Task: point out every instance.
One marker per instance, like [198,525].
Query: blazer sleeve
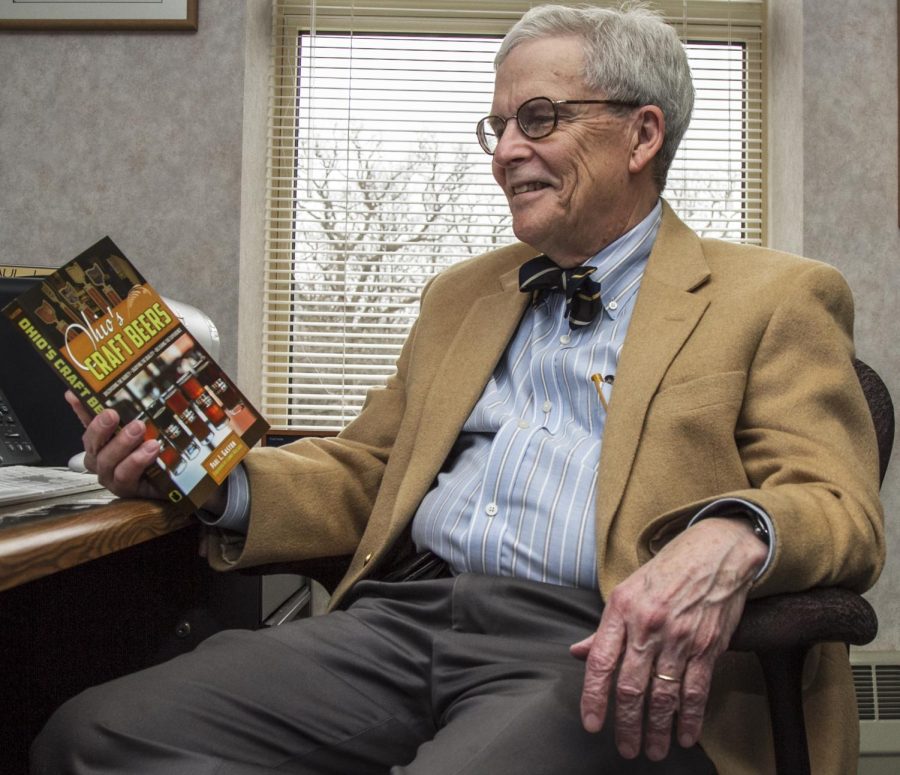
[807,444]
[311,499]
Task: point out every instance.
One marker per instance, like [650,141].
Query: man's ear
[647,139]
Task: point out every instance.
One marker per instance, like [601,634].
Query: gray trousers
[460,675]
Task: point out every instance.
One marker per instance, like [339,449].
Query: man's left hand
[661,632]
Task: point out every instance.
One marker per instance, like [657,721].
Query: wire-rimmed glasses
[537,118]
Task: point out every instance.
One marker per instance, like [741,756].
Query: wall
[134,135]
[833,188]
[257,45]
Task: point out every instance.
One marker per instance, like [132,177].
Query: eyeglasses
[537,118]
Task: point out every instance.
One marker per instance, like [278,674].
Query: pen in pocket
[598,380]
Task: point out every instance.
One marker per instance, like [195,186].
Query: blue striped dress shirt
[517,496]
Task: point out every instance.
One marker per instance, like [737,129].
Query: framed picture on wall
[98,15]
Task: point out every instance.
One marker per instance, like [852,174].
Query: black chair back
[882,409]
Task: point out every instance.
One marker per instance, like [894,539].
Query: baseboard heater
[876,677]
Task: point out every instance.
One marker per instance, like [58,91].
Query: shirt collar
[620,265]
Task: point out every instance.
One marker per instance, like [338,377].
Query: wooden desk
[96,593]
[43,545]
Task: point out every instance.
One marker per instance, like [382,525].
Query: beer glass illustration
[178,403]
[99,280]
[169,456]
[165,419]
[228,396]
[192,388]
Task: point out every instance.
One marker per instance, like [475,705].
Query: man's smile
[524,188]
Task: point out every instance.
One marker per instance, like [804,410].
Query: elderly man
[571,607]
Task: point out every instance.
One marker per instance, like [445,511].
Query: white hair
[630,54]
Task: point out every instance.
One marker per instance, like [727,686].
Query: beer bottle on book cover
[109,336]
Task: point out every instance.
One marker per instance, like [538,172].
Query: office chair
[780,629]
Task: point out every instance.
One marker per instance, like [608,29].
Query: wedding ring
[664,677]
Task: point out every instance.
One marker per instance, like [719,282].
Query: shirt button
[367,558]
[491,509]
[565,339]
[546,406]
[613,305]
[523,424]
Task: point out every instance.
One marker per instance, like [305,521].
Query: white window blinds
[376,180]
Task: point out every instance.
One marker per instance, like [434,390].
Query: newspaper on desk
[23,484]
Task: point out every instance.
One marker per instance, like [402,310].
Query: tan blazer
[735,380]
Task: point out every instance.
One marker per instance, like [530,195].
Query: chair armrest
[801,619]
[328,571]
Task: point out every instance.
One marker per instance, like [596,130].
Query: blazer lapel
[666,312]
[465,369]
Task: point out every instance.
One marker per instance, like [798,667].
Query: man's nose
[512,145]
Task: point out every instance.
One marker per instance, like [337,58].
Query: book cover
[110,337]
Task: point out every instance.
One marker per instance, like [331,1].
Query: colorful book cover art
[115,343]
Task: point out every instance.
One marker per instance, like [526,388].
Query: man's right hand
[118,459]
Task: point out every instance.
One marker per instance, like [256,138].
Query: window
[377,181]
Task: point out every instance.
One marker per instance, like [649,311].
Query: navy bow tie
[582,293]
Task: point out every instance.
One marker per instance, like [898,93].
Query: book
[110,337]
